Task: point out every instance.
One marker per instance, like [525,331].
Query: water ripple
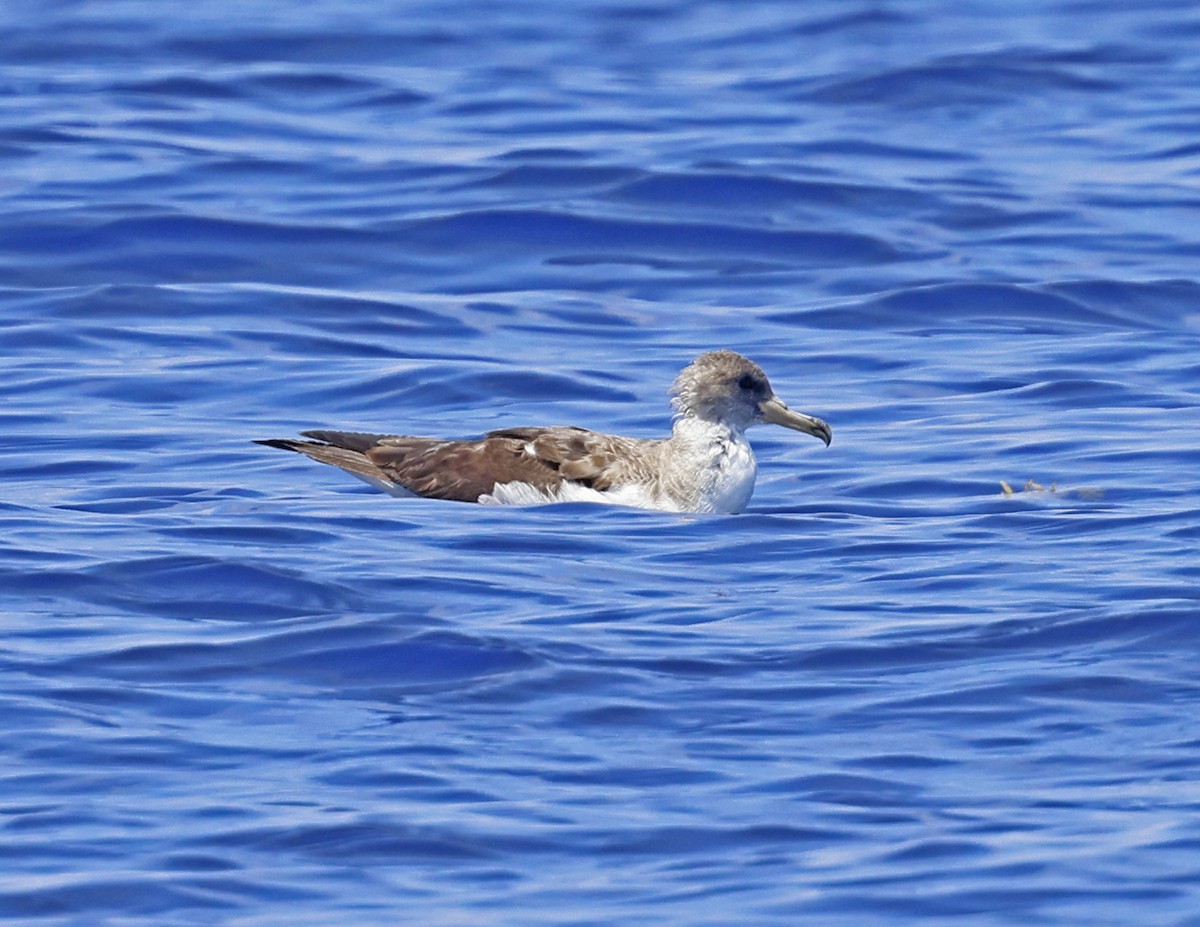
[942,669]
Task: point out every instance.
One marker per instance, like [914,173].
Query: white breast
[716,476]
[733,479]
[709,466]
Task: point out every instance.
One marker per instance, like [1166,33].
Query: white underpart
[705,467]
[631,494]
[712,466]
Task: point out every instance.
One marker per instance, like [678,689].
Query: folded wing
[543,458]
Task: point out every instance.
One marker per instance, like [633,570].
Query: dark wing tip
[284,444]
[360,441]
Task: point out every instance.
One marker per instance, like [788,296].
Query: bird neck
[690,432]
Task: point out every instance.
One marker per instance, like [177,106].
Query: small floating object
[1087,493]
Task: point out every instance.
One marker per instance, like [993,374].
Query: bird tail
[349,459]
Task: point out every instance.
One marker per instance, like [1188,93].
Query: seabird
[706,465]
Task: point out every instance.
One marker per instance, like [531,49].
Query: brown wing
[465,470]
[459,470]
[596,460]
[349,457]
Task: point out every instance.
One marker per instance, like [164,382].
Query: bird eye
[747,382]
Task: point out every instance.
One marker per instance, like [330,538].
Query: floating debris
[1032,486]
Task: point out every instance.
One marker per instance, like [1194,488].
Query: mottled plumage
[705,466]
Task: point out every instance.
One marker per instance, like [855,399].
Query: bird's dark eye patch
[748,382]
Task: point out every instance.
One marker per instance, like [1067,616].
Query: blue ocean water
[240,688]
